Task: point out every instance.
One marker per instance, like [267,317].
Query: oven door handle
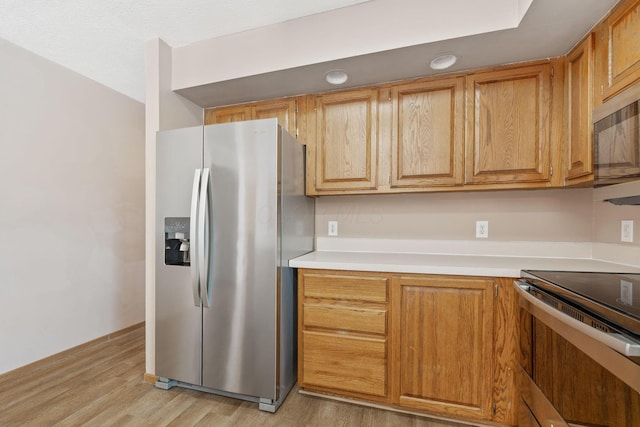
[616,342]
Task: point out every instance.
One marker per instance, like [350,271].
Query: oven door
[570,375]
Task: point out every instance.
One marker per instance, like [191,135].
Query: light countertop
[451,264]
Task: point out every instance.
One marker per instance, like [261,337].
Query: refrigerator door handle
[204,241]
[194,238]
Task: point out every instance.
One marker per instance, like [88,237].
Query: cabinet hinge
[551,171]
[495,408]
[553,71]
[495,290]
[601,89]
[297,133]
[296,106]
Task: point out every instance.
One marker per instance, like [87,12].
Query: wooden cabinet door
[508,126]
[578,132]
[442,334]
[346,140]
[427,141]
[284,110]
[235,113]
[621,45]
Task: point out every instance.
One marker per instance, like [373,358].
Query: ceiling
[105,40]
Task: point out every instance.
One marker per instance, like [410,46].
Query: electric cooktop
[614,297]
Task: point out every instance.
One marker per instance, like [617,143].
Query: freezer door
[178,309]
[239,327]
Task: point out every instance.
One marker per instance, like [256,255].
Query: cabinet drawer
[357,288]
[356,319]
[346,363]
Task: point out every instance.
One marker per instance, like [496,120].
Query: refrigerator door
[239,327]
[178,306]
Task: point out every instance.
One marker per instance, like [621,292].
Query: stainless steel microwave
[616,133]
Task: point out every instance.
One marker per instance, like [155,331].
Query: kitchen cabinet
[343,333]
[496,128]
[282,109]
[618,49]
[427,140]
[578,128]
[345,140]
[444,345]
[511,133]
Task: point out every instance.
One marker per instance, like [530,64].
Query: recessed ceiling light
[443,62]
[336,77]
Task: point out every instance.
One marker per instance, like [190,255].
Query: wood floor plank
[101,384]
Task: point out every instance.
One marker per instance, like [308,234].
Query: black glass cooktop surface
[613,296]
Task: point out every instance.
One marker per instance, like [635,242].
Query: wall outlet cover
[332,228]
[482,229]
[626,231]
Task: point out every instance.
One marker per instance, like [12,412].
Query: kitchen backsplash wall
[607,223]
[562,215]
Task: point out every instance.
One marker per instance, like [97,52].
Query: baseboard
[399,410]
[64,353]
[150,378]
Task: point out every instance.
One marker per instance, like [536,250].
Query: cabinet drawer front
[357,288]
[367,320]
[347,363]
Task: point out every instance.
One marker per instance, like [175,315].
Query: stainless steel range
[580,348]
[607,302]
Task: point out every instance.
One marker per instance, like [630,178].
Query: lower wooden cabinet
[349,363]
[343,333]
[445,345]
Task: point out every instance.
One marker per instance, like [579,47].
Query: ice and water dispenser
[176,241]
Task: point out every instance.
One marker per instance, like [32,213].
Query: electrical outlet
[626,231]
[333,228]
[482,229]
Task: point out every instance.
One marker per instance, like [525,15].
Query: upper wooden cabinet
[234,113]
[346,128]
[494,129]
[509,126]
[578,128]
[282,109]
[427,140]
[618,49]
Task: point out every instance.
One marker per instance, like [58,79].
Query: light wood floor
[101,384]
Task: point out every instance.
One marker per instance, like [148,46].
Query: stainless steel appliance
[580,348]
[616,132]
[231,198]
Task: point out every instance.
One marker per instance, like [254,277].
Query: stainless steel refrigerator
[230,213]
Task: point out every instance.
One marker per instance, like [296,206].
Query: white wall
[72,209]
[163,110]
[364,28]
